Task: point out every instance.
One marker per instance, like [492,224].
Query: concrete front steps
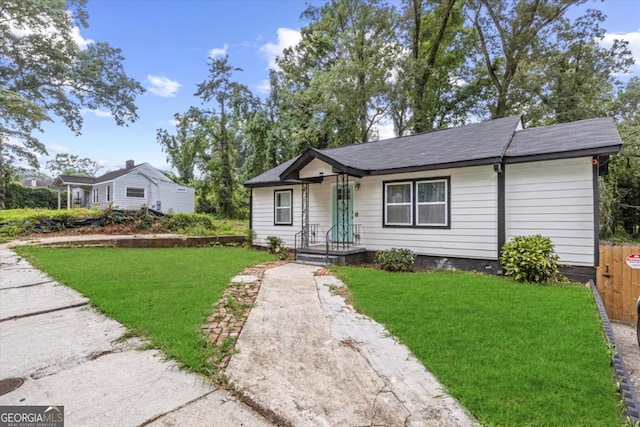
[318,256]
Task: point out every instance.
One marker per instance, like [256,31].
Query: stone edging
[230,314]
[626,389]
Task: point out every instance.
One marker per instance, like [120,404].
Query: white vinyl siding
[157,188]
[316,168]
[262,216]
[553,198]
[473,225]
[472,231]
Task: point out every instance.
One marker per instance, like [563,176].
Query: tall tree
[510,32]
[621,188]
[71,164]
[229,105]
[184,148]
[437,87]
[267,136]
[44,72]
[576,78]
[339,73]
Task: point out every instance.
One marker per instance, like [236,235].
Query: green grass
[162,294]
[512,354]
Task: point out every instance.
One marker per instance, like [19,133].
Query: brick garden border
[231,311]
[627,392]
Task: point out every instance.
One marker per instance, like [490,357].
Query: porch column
[305,214]
[68,196]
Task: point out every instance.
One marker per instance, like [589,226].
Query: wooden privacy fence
[618,284]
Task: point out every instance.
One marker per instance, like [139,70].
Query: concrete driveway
[69,354]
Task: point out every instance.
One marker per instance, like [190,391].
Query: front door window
[343,213]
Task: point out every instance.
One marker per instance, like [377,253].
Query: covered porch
[329,232]
[78,190]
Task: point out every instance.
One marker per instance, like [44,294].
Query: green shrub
[17,196]
[530,259]
[276,247]
[395,259]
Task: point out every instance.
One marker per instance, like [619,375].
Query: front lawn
[512,354]
[162,294]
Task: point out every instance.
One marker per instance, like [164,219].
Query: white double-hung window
[283,202]
[417,203]
[431,203]
[398,203]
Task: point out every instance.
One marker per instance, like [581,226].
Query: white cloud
[264,86]
[97,113]
[163,86]
[50,31]
[632,37]
[386,130]
[287,37]
[217,52]
[55,148]
[80,41]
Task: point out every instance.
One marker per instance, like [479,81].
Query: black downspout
[502,232]
[251,210]
[596,212]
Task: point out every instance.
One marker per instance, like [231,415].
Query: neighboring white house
[453,196]
[133,187]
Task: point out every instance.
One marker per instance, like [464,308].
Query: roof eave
[292,172]
[599,151]
[438,166]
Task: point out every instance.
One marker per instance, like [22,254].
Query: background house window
[135,192]
[398,203]
[95,195]
[431,206]
[108,193]
[282,210]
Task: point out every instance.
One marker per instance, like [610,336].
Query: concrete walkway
[305,358]
[69,354]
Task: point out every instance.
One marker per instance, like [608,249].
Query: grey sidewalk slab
[218,408]
[44,344]
[12,277]
[29,300]
[119,389]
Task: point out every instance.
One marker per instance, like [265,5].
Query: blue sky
[166,44]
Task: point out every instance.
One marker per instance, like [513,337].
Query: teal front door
[343,213]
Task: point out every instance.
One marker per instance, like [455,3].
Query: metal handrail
[306,238]
[330,244]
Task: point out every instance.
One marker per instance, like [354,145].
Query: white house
[453,196]
[133,187]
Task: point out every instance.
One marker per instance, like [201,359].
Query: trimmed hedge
[17,196]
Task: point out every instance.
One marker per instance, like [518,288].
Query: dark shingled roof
[89,180]
[272,176]
[592,136]
[475,144]
[72,179]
